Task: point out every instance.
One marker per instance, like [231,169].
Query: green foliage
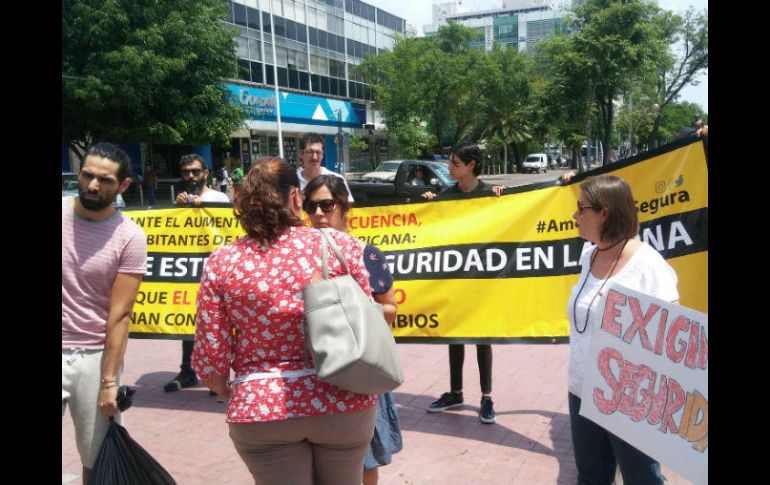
[676,116]
[687,37]
[357,145]
[565,91]
[454,92]
[135,70]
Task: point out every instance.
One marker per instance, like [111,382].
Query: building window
[266,28]
[256,72]
[242,47]
[316,79]
[280,25]
[253,15]
[255,53]
[244,71]
[283,77]
[240,14]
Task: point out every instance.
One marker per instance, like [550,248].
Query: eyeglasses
[191,171]
[320,153]
[581,208]
[326,205]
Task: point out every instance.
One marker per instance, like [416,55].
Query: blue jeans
[151,195]
[598,452]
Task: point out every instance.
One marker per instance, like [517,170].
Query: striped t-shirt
[92,253]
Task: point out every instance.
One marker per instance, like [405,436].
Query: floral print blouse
[250,318]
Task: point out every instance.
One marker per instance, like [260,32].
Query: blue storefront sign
[298,108]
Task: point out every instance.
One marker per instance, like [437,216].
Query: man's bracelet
[109,385]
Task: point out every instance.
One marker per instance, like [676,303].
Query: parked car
[402,188]
[69,188]
[535,162]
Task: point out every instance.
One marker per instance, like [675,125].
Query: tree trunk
[590,102]
[608,113]
[505,157]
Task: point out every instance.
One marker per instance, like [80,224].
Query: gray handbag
[346,333]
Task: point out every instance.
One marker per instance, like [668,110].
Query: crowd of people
[286,424]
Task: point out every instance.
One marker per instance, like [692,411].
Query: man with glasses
[194,174]
[311,154]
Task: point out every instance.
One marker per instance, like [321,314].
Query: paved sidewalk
[529,445]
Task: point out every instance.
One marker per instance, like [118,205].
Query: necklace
[593,258]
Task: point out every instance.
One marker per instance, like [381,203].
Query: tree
[688,40]
[135,70]
[505,96]
[442,90]
[430,84]
[616,38]
[565,96]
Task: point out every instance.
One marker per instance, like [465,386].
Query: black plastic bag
[122,461]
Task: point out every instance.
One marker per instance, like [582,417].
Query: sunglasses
[191,171]
[326,205]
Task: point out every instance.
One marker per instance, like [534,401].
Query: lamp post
[275,79]
[340,145]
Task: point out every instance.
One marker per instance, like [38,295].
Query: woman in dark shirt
[465,163]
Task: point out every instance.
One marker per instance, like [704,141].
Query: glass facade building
[515,27]
[317,45]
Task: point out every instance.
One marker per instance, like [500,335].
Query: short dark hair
[468,152]
[336,186]
[310,138]
[113,153]
[262,206]
[190,158]
[614,194]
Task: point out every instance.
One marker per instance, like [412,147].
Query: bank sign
[298,108]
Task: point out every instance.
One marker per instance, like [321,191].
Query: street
[516,179]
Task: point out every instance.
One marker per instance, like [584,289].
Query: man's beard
[95,205]
[195,187]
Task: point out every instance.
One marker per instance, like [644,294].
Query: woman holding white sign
[606,216]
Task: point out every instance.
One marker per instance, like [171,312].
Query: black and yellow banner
[483,269]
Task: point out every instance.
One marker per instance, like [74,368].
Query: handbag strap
[326,238]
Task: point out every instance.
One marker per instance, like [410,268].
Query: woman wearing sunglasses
[327,205]
[606,216]
[287,426]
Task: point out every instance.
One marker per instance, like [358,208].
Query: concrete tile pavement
[529,445]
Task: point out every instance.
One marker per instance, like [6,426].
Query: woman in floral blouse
[287,426]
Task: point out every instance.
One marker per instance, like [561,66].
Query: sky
[420,12]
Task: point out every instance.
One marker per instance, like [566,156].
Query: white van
[535,162]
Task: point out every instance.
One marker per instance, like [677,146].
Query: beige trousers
[317,450]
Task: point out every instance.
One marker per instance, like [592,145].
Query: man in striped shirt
[104,256]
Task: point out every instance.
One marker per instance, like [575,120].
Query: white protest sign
[647,379]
